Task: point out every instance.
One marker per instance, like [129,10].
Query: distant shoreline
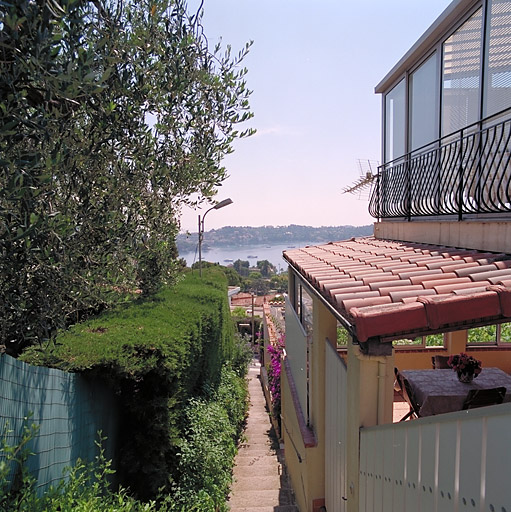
[242,236]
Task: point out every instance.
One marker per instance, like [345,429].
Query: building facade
[435,276]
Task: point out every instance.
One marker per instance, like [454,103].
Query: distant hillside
[245,235]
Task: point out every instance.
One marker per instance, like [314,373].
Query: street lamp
[217,206]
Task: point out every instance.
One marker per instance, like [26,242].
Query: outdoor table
[440,391]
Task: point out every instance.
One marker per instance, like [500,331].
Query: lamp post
[217,206]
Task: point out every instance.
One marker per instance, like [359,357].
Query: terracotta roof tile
[394,266]
[441,264]
[477,269]
[408,273]
[356,287]
[452,287]
[504,293]
[338,285]
[459,265]
[368,301]
[444,282]
[389,283]
[459,309]
[387,288]
[431,275]
[340,297]
[493,274]
[408,292]
[473,289]
[502,264]
[388,319]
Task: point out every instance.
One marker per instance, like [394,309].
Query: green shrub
[241,354]
[210,428]
[157,354]
[239,311]
[84,488]
[209,446]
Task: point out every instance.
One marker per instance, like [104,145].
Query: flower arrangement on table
[466,366]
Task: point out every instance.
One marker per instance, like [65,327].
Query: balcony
[462,176]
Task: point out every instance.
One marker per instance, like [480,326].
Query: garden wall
[69,410]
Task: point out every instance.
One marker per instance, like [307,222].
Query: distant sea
[251,253]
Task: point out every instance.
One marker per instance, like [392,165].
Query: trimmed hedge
[157,354]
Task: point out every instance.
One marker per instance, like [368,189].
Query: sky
[313,67]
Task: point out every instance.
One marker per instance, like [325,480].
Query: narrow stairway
[261,482]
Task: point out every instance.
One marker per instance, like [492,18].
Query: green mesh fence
[69,410]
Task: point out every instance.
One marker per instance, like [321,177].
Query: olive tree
[113,114]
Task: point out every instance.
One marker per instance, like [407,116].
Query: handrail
[465,172]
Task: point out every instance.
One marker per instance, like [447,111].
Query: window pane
[435,340]
[461,72]
[505,333]
[395,122]
[498,59]
[416,342]
[486,334]
[306,310]
[424,89]
[342,336]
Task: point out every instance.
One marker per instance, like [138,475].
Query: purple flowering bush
[274,369]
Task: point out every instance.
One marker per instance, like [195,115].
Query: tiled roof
[245,299]
[388,289]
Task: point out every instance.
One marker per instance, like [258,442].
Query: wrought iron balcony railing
[467,172]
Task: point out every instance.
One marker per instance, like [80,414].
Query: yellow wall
[487,236]
[308,476]
[370,401]
[295,452]
[455,343]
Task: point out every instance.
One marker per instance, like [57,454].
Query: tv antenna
[368,170]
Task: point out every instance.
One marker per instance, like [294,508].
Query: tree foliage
[112,115]
[266,268]
[242,267]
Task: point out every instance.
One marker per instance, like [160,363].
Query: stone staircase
[261,483]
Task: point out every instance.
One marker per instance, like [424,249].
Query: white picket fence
[447,463]
[335,431]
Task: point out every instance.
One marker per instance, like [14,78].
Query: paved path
[261,483]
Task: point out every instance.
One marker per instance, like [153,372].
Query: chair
[440,362]
[407,393]
[484,397]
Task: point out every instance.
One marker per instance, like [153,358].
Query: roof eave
[432,35]
[342,320]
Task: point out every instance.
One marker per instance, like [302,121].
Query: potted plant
[467,367]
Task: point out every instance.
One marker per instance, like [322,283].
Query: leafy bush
[239,311]
[209,446]
[90,192]
[85,486]
[241,355]
[157,354]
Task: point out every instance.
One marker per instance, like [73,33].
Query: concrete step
[258,461]
[262,483]
[254,434]
[244,470]
[256,451]
[261,498]
[259,443]
[260,480]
